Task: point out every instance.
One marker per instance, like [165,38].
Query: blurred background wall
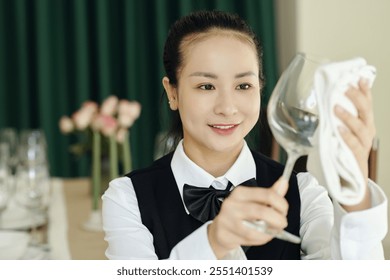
[342,30]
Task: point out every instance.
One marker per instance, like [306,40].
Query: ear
[171,91]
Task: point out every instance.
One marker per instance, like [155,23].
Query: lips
[223,126]
[223,129]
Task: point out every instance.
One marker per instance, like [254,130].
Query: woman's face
[218,94]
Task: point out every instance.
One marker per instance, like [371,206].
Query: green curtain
[56,54]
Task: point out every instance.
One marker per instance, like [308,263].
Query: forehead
[194,47]
[207,48]
[192,40]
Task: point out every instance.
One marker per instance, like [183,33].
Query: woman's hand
[359,132]
[227,231]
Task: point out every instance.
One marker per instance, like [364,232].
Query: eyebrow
[249,73]
[213,76]
[204,74]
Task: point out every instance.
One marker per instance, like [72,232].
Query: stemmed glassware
[293,118]
[292,109]
[32,176]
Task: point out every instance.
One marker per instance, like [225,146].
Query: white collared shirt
[327,231]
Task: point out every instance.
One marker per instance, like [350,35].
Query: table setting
[27,197]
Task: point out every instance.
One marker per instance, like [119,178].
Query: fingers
[251,211]
[223,238]
[356,133]
[359,131]
[259,198]
[362,126]
[248,204]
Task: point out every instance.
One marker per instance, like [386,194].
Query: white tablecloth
[58,223]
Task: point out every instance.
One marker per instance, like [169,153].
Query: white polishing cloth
[331,159]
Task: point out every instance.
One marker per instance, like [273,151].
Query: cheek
[252,106]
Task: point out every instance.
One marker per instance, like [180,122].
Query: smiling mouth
[223,127]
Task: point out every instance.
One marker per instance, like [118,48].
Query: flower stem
[96,169]
[113,157]
[127,165]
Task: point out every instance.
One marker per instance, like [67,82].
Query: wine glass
[32,147]
[293,118]
[32,177]
[31,185]
[292,109]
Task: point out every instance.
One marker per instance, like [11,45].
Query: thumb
[281,186]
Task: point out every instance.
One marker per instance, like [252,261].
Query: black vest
[163,213]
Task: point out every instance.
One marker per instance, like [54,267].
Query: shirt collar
[186,171]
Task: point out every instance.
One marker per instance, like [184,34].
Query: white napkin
[331,159]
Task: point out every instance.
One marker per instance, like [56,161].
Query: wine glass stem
[291,159]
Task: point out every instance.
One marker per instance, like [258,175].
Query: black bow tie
[205,203]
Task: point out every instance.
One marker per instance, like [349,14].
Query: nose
[225,104]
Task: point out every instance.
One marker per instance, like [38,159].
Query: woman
[213,81]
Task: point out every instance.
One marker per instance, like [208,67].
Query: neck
[216,163]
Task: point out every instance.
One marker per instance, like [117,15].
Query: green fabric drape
[56,54]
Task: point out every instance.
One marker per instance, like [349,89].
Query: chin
[226,146]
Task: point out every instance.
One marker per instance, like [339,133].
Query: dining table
[83,244]
[62,234]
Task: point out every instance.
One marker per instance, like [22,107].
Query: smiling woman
[197,202]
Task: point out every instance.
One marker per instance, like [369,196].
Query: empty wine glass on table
[31,185]
[32,178]
[32,147]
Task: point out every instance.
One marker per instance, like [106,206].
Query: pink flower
[135,109]
[109,125]
[83,117]
[66,125]
[113,118]
[109,106]
[128,112]
[80,119]
[125,120]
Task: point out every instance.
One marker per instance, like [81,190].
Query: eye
[207,87]
[243,87]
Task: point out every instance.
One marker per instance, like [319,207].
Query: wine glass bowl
[292,109]
[9,137]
